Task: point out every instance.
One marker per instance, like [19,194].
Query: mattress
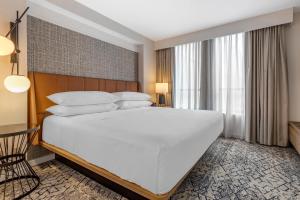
[152,147]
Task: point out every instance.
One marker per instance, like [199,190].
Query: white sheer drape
[225,87]
[187,76]
[228,71]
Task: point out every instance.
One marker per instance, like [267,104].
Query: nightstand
[17,178]
[294,135]
[162,106]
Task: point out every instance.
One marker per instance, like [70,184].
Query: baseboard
[42,159]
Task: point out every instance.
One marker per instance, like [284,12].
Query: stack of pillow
[86,102]
[82,102]
[128,100]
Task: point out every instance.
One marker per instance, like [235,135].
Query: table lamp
[161,89]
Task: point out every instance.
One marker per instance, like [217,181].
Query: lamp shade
[161,88]
[6,46]
[17,83]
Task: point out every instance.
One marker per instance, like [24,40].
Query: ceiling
[161,19]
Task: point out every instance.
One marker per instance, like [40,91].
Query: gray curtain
[165,60]
[266,87]
[206,92]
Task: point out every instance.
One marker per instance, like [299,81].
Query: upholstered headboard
[43,84]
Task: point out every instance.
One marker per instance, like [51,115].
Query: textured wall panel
[54,49]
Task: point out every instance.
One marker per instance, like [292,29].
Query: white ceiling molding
[254,23]
[162,19]
[47,11]
[97,17]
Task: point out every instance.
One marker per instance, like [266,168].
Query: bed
[146,150]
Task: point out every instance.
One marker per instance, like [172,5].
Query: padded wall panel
[55,49]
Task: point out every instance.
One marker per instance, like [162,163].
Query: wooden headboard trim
[44,84]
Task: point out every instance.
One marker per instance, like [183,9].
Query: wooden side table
[160,105]
[294,135]
[17,178]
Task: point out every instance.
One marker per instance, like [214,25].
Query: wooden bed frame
[43,84]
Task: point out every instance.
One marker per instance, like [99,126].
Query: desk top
[15,129]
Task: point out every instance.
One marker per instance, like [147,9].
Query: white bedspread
[152,147]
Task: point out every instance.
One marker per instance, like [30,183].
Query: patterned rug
[230,169]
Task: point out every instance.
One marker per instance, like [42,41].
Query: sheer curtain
[187,76]
[211,75]
[228,82]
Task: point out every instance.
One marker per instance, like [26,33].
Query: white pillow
[123,105]
[132,96]
[80,98]
[64,111]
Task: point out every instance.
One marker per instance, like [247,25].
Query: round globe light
[17,83]
[6,46]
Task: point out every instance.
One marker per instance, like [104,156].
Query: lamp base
[161,99]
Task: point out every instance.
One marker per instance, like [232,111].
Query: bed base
[112,178]
[100,179]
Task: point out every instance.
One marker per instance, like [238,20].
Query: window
[214,81]
[226,68]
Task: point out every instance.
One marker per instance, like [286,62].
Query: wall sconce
[15,83]
[161,89]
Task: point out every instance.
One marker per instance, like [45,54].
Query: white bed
[152,147]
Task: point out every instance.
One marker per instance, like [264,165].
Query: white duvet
[152,147]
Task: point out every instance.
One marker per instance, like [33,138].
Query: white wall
[149,69]
[13,107]
[293,49]
[271,19]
